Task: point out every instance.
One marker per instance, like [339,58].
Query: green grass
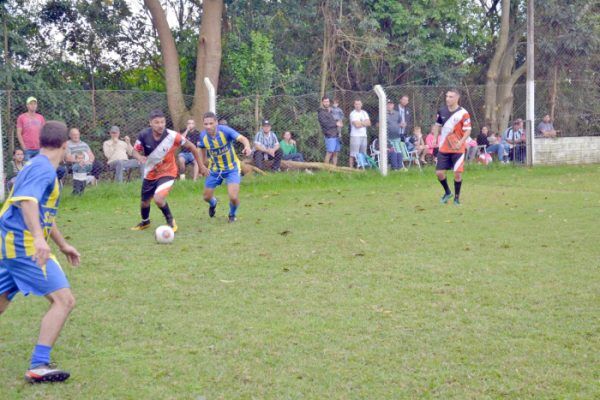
[331,287]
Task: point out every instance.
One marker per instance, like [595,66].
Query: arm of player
[466,136]
[141,159]
[31,216]
[436,132]
[69,251]
[247,149]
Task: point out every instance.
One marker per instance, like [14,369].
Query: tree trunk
[491,86]
[7,62]
[170,58]
[208,57]
[554,92]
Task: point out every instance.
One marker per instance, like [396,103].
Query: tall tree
[208,60]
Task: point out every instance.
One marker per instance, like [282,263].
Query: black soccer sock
[167,213]
[145,213]
[457,185]
[444,184]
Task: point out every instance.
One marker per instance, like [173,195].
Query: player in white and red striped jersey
[155,148]
[455,124]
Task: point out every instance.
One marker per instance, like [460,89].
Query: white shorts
[358,144]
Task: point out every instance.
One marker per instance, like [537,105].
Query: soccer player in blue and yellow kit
[216,141]
[26,264]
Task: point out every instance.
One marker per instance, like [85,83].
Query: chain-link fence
[94,112]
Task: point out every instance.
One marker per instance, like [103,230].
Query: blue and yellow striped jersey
[36,182]
[221,154]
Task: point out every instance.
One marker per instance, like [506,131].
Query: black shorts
[160,185]
[451,161]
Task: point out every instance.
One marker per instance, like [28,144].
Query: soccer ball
[164,234]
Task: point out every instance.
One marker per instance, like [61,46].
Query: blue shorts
[214,179]
[333,145]
[25,276]
[187,156]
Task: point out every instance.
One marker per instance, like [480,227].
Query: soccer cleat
[212,211]
[46,373]
[456,201]
[445,198]
[141,226]
[232,218]
[173,225]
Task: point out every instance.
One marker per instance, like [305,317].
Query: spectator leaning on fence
[76,145]
[266,147]
[185,155]
[329,127]
[359,121]
[29,126]
[117,153]
[289,149]
[546,128]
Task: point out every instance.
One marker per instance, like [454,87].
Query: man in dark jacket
[329,127]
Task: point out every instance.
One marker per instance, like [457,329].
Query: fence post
[383,150]
[2,180]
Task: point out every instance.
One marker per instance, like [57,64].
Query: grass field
[331,287]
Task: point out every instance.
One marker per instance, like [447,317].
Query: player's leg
[213,180]
[148,188]
[233,190]
[164,186]
[443,164]
[458,165]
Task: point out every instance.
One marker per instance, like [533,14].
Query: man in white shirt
[359,121]
[117,153]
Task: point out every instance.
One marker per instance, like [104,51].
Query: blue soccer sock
[232,209]
[213,202]
[40,356]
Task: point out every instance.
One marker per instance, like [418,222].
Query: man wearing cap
[117,153]
[266,146]
[29,125]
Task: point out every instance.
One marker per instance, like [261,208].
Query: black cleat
[232,219]
[212,210]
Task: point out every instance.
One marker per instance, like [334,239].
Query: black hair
[54,134]
[209,114]
[155,114]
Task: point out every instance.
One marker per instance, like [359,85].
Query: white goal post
[212,95]
[383,150]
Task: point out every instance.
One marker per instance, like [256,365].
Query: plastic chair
[407,156]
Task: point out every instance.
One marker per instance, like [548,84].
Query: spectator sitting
[80,170]
[117,153]
[431,146]
[222,121]
[185,155]
[546,128]
[76,145]
[14,167]
[266,147]
[418,144]
[494,145]
[482,138]
[289,149]
[514,137]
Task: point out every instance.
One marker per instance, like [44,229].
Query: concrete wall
[567,150]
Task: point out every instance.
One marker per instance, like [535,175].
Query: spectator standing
[359,121]
[14,167]
[266,147]
[338,115]
[289,149]
[76,145]
[29,126]
[329,127]
[405,117]
[117,153]
[546,128]
[393,131]
[185,155]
